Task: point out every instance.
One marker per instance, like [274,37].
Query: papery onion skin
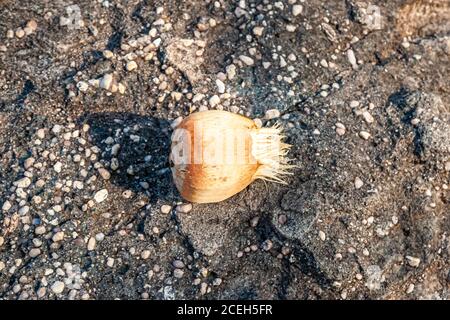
[202,178]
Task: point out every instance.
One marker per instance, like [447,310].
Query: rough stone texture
[402,209]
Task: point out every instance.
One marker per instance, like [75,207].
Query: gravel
[178,264]
[247,60]
[57,167]
[352,59]
[35,252]
[58,236]
[58,287]
[145,254]
[184,208]
[104,173]
[40,230]
[166,209]
[214,100]
[220,86]
[340,129]
[6,205]
[358,183]
[92,242]
[364,135]
[106,81]
[258,31]
[131,65]
[272,114]
[322,235]
[23,183]
[413,261]
[178,273]
[297,9]
[368,117]
[88,205]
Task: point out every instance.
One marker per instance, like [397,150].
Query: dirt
[330,237]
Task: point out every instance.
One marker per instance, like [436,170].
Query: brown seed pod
[216,154]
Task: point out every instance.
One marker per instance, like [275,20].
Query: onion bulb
[216,154]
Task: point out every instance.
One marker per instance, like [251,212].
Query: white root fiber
[270,152]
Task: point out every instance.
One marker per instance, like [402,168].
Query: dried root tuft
[270,152]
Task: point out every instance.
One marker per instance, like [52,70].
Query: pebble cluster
[87,207]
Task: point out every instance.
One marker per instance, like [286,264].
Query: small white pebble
[57,167]
[220,86]
[324,63]
[410,288]
[23,183]
[358,183]
[176,122]
[145,254]
[290,28]
[322,235]
[40,133]
[272,114]
[101,195]
[39,230]
[352,59]
[367,117]
[83,86]
[340,129]
[258,122]
[20,33]
[104,173]
[166,209]
[106,81]
[354,103]
[108,54]
[121,87]
[258,31]
[35,252]
[131,65]
[231,71]
[6,205]
[198,97]
[247,60]
[59,236]
[214,100]
[91,243]
[58,287]
[364,135]
[297,9]
[110,262]
[413,261]
[184,208]
[115,149]
[178,273]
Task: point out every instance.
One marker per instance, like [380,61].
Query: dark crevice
[28,88]
[115,40]
[306,262]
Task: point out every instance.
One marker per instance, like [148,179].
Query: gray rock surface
[95,214]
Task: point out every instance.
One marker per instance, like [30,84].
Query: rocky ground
[88,93]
